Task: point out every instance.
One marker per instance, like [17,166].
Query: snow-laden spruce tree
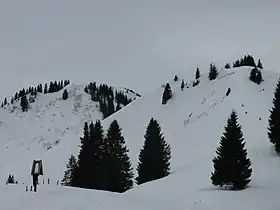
[24,103]
[89,173]
[182,84]
[213,72]
[232,166]
[197,73]
[274,120]
[167,94]
[154,157]
[119,174]
[65,94]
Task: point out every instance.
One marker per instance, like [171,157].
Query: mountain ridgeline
[109,100]
[54,86]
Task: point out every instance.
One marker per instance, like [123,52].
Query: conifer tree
[176,78]
[39,88]
[90,171]
[65,94]
[197,73]
[167,94]
[55,86]
[11,179]
[227,66]
[274,119]
[213,73]
[51,87]
[182,85]
[86,89]
[232,166]
[69,173]
[24,103]
[5,101]
[46,88]
[119,172]
[154,157]
[256,76]
[97,166]
[66,82]
[35,92]
[16,96]
[250,61]
[260,66]
[80,176]
[22,92]
[253,74]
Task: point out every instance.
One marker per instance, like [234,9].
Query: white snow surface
[192,122]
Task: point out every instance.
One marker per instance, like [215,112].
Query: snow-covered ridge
[193,122]
[51,123]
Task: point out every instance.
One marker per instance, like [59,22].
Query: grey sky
[138,44]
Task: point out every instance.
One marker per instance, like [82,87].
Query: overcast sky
[137,44]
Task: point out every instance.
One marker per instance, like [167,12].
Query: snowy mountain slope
[54,197]
[50,131]
[193,122]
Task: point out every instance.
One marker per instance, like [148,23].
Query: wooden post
[35,181]
[48,180]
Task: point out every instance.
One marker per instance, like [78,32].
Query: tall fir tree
[51,87]
[46,88]
[232,166]
[182,85]
[119,172]
[5,101]
[65,94]
[80,176]
[213,73]
[24,103]
[98,169]
[253,74]
[197,73]
[167,94]
[274,120]
[154,157]
[90,170]
[70,171]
